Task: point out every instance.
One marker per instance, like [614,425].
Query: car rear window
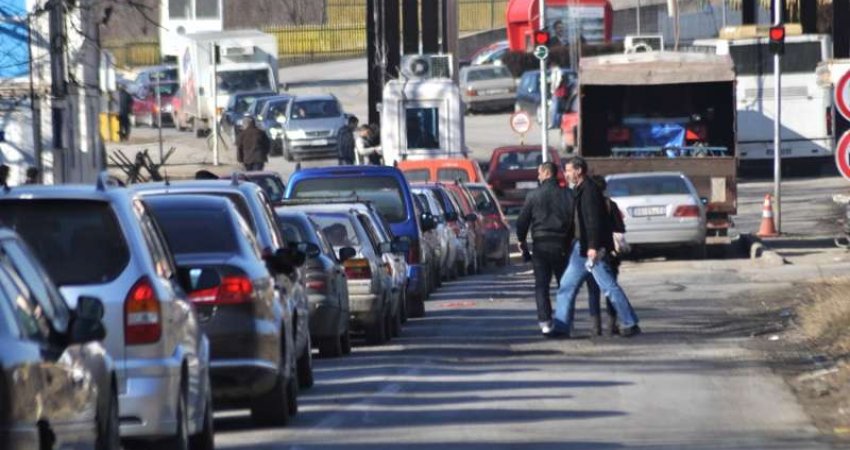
[632,187]
[452,174]
[384,192]
[417,175]
[338,230]
[520,160]
[78,241]
[197,230]
[488,73]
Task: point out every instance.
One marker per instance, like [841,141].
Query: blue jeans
[571,281]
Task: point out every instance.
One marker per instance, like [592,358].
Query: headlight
[296,134]
[275,132]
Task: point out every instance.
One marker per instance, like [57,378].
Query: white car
[660,209]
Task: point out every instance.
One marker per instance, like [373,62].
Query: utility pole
[544,122]
[35,107]
[778,6]
[637,16]
[58,86]
[214,54]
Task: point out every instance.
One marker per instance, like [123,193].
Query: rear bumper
[662,236]
[490,102]
[324,316]
[240,378]
[147,402]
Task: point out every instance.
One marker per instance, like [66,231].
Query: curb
[759,251]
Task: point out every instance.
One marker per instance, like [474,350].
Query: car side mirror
[308,248]
[471,217]
[346,253]
[428,222]
[88,321]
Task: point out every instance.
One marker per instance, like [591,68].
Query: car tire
[271,408]
[403,305]
[205,439]
[330,347]
[180,441]
[415,306]
[345,342]
[305,367]
[109,435]
[395,324]
[292,394]
[376,334]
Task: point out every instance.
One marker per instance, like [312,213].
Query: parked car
[660,209]
[497,230]
[310,126]
[103,241]
[387,188]
[487,88]
[55,371]
[458,225]
[150,75]
[442,169]
[528,91]
[513,173]
[474,222]
[234,112]
[271,182]
[272,117]
[327,288]
[239,309]
[450,246]
[369,277]
[146,106]
[256,108]
[254,206]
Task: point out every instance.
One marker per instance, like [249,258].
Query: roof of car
[190,201]
[177,186]
[315,97]
[346,170]
[63,191]
[436,162]
[7,233]
[644,175]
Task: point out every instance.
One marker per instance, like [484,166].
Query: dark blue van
[388,190]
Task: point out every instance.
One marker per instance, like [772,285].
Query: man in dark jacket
[345,141]
[252,146]
[125,108]
[546,213]
[592,237]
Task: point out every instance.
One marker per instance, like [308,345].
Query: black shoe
[630,331]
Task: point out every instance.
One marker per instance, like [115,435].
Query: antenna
[102,180]
[167,180]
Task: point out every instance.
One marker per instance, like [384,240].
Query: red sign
[842,95]
[520,122]
[842,155]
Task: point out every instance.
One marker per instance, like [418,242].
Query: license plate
[649,211]
[526,185]
[319,142]
[495,91]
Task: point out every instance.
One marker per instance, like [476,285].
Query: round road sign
[842,95]
[541,52]
[842,155]
[520,122]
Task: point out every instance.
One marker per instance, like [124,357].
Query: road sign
[842,95]
[541,52]
[842,155]
[520,122]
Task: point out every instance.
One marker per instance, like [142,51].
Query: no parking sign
[842,95]
[842,155]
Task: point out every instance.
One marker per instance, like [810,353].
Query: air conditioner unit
[426,66]
[644,43]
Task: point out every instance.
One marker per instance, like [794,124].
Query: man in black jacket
[252,146]
[546,213]
[592,239]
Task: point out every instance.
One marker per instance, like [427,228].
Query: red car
[145,105]
[513,173]
[497,230]
[474,220]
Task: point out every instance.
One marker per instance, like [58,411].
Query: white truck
[422,118]
[215,65]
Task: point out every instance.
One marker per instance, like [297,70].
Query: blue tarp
[658,135]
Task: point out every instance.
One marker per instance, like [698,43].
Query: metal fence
[343,35]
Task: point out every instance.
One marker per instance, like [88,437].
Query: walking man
[546,213]
[345,141]
[592,240]
[252,146]
[125,108]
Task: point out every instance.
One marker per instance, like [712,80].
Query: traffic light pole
[544,118]
[777,121]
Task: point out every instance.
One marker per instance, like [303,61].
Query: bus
[806,132]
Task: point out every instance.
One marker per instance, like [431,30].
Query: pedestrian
[32,175]
[592,240]
[125,108]
[346,142]
[546,213]
[4,177]
[252,146]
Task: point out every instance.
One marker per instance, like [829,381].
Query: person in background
[32,176]
[252,146]
[125,108]
[4,177]
[346,142]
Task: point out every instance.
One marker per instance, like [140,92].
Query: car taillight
[413,255]
[358,269]
[316,284]
[233,290]
[471,92]
[142,315]
[687,211]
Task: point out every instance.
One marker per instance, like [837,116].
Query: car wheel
[109,436]
[403,305]
[376,334]
[330,347]
[287,155]
[415,306]
[388,324]
[271,408]
[180,441]
[205,439]
[305,367]
[292,394]
[345,342]
[395,330]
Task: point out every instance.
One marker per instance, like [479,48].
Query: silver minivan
[102,241]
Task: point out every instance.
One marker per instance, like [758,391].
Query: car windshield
[452,174]
[384,192]
[315,109]
[78,241]
[488,73]
[520,160]
[195,230]
[291,230]
[640,186]
[166,89]
[417,175]
[338,229]
[242,80]
[243,102]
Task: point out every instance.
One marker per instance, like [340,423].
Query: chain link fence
[342,35]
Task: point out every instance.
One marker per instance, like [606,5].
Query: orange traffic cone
[768,228]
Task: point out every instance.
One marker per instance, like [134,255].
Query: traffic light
[541,37]
[777,39]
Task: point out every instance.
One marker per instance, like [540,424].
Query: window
[242,80]
[327,249]
[30,315]
[756,59]
[483,201]
[530,83]
[78,241]
[315,109]
[197,230]
[488,73]
[8,323]
[452,174]
[338,229]
[417,175]
[206,9]
[638,186]
[423,128]
[276,109]
[271,185]
[178,9]
[155,243]
[42,289]
[268,216]
[291,230]
[384,192]
[368,226]
[520,160]
[166,89]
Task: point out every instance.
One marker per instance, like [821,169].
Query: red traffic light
[777,33]
[541,37]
